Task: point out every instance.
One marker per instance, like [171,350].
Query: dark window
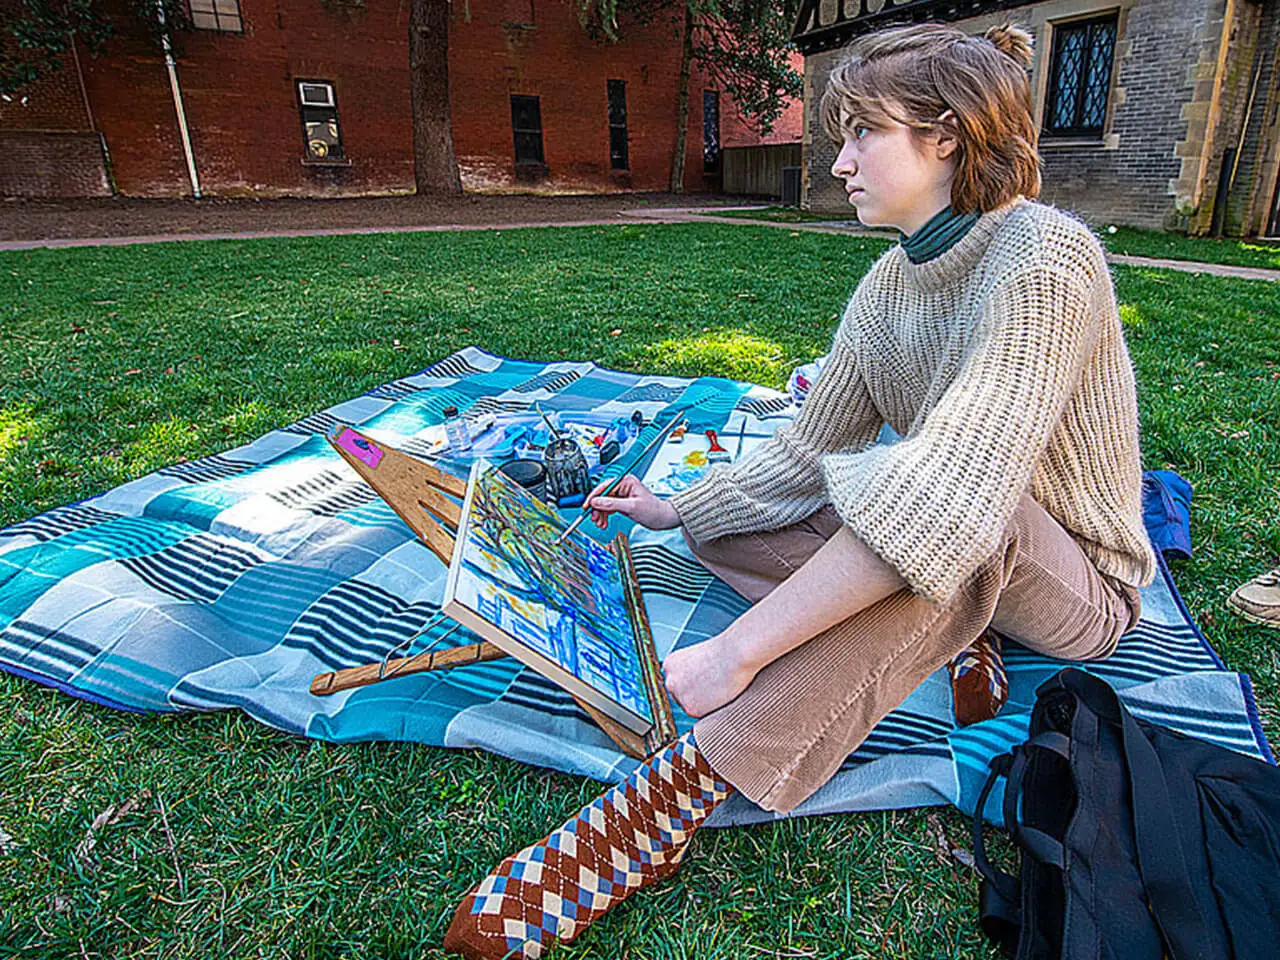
[1080,77]
[710,131]
[618,125]
[221,15]
[319,112]
[526,125]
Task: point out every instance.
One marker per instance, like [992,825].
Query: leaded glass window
[1080,77]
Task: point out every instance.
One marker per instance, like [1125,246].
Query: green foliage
[35,40]
[745,45]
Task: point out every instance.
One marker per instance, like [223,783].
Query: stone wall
[1148,168]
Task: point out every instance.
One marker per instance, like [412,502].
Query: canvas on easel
[532,589]
[566,609]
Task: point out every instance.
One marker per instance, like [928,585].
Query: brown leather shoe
[1258,601]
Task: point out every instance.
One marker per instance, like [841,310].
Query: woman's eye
[860,131]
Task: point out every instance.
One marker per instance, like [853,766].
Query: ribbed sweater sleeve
[934,505]
[781,481]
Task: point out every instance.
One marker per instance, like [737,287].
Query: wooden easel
[417,492]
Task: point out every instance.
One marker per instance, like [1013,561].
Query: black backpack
[1137,842]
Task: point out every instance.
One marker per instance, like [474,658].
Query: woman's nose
[844,165]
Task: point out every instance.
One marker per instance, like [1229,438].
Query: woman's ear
[946,134]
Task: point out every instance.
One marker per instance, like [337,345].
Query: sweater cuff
[696,508]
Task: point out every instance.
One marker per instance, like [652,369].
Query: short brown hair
[915,74]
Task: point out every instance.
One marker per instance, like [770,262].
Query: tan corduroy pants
[803,714]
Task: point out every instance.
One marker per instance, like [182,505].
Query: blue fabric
[231,581]
[1166,511]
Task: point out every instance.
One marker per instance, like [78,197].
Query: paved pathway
[655,215]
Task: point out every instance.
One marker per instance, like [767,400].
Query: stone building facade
[311,98]
[1153,113]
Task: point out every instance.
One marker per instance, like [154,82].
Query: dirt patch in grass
[24,219]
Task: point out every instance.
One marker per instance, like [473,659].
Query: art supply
[567,479]
[530,474]
[414,489]
[613,484]
[550,426]
[564,612]
[455,429]
[742,435]
[716,453]
[677,435]
[480,426]
[577,617]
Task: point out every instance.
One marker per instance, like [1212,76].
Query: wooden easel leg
[352,677]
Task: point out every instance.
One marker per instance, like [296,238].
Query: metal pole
[177,103]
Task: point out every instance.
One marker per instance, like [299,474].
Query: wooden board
[410,487]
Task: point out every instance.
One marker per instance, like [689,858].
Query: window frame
[619,151]
[218,16]
[1060,30]
[317,113]
[536,101]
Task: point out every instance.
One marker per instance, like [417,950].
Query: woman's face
[894,177]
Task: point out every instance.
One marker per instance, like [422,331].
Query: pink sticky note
[366,451]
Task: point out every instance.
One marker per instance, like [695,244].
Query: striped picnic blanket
[231,581]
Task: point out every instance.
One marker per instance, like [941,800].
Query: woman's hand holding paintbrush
[633,499]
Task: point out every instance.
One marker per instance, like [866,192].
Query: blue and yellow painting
[565,601]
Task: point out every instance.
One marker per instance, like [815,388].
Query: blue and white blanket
[231,581]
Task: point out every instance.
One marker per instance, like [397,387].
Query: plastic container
[530,474]
[456,432]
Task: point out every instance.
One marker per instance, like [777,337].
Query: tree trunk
[682,104]
[435,168]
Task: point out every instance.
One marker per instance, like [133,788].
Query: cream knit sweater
[1003,365]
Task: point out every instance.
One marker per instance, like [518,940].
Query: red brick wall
[54,103]
[43,163]
[239,95]
[241,107]
[558,63]
[737,131]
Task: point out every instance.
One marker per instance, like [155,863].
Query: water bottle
[455,431]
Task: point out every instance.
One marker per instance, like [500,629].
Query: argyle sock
[979,684]
[627,838]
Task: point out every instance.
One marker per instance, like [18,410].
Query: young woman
[989,339]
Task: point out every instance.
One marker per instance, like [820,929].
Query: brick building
[1153,113]
[311,98]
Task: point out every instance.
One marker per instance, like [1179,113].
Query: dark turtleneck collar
[939,235]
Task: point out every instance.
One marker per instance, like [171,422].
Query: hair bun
[1013,42]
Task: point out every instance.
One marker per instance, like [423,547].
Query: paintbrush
[554,432]
[586,508]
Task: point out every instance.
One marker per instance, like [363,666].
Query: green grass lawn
[782,215]
[1173,246]
[1125,240]
[246,842]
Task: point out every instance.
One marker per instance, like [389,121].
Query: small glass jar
[456,432]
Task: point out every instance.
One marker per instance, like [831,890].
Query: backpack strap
[999,911]
[1160,861]
[1039,844]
